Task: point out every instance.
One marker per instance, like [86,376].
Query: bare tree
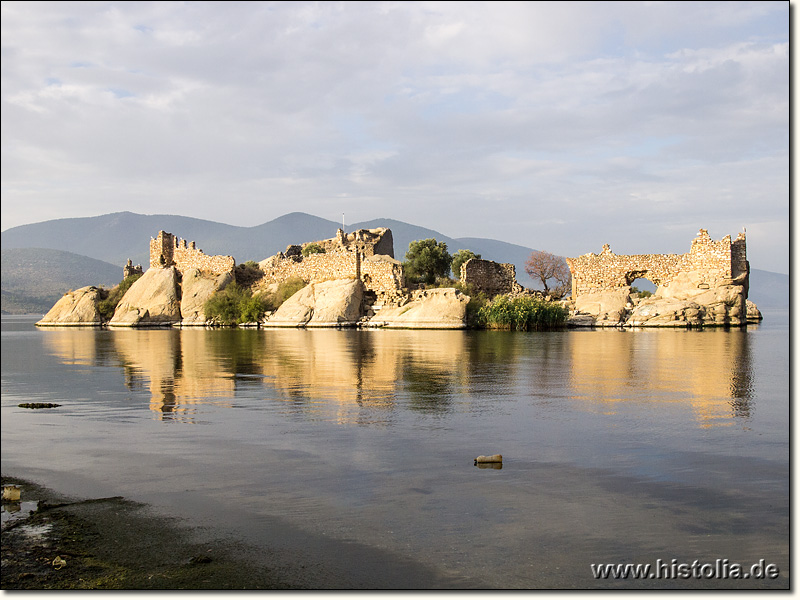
[545,267]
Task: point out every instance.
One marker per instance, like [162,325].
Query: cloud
[553,125]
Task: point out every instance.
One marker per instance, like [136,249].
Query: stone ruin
[490,277]
[129,270]
[167,250]
[366,254]
[369,242]
[707,285]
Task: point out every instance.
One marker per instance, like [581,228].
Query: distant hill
[33,279]
[114,238]
[768,289]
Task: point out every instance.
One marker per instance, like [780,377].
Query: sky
[559,126]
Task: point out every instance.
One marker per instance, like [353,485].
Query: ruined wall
[130,269]
[717,263]
[379,273]
[382,273]
[167,250]
[368,242]
[490,277]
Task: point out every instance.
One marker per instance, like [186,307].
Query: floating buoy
[494,458]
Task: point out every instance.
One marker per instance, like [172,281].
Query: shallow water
[353,450]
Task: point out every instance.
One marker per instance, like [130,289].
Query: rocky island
[353,280]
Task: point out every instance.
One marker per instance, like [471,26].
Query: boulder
[665,312]
[196,288]
[152,300]
[75,308]
[753,314]
[608,307]
[440,308]
[325,304]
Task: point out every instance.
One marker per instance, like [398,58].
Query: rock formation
[77,308]
[325,304]
[154,299]
[196,288]
[440,308]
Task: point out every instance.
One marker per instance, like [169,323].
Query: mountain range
[43,260]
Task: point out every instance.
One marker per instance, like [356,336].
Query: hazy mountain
[116,237]
[768,289]
[33,279]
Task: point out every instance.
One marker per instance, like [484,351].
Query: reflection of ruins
[363,377]
[710,371]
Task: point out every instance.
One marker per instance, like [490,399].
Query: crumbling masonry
[167,250]
[490,277]
[717,263]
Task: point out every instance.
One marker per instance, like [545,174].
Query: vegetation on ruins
[460,258]
[286,289]
[108,305]
[546,267]
[237,304]
[312,248]
[427,260]
[247,273]
[522,313]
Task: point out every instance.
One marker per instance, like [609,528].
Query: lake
[351,451]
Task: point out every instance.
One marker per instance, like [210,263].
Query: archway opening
[641,287]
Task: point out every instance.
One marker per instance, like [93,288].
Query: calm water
[350,453]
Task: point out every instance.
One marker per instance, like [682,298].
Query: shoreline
[114,543]
[118,544]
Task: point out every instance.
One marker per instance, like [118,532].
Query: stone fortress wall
[716,263]
[366,254]
[490,277]
[369,242]
[167,250]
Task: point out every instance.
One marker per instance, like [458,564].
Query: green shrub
[236,304]
[477,300]
[287,289]
[312,248]
[460,258]
[522,313]
[108,305]
[426,260]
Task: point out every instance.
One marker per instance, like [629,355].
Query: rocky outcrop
[334,303]
[77,308]
[441,308]
[196,288]
[685,302]
[753,314]
[154,299]
[606,307]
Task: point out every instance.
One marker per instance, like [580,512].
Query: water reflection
[710,372]
[363,377]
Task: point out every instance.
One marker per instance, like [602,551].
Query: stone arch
[633,275]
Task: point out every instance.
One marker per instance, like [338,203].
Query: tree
[426,260]
[544,267]
[459,258]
